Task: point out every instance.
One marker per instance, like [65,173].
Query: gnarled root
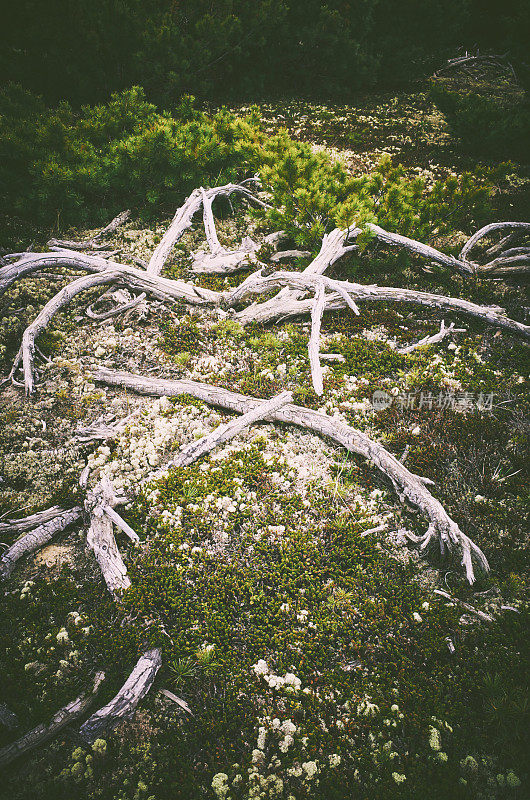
[94,242]
[42,733]
[123,705]
[287,302]
[42,528]
[184,216]
[100,505]
[223,433]
[158,287]
[408,485]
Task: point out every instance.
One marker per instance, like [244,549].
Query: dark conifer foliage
[83,50]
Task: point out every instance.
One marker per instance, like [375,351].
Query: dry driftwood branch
[407,484]
[285,254]
[472,610]
[123,705]
[424,250]
[177,700]
[487,229]
[287,303]
[314,339]
[42,733]
[434,339]
[100,430]
[38,536]
[28,523]
[158,287]
[184,216]
[220,259]
[28,263]
[93,242]
[123,301]
[100,536]
[223,433]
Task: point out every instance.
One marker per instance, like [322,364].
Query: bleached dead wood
[278,307]
[100,503]
[408,485]
[226,262]
[285,305]
[223,433]
[27,263]
[94,242]
[158,287]
[314,338]
[282,255]
[466,606]
[38,536]
[124,704]
[509,260]
[43,733]
[123,301]
[28,523]
[220,260]
[184,217]
[101,430]
[434,339]
[177,700]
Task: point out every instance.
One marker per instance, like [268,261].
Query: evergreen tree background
[82,50]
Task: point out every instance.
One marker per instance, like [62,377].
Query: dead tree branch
[43,733]
[94,242]
[408,485]
[123,705]
[38,536]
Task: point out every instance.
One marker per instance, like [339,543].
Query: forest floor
[297,622]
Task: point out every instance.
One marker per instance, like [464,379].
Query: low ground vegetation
[274,574]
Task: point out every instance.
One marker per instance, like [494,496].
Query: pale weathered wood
[93,242]
[314,338]
[123,705]
[100,536]
[184,217]
[434,339]
[223,433]
[407,484]
[289,304]
[487,229]
[43,733]
[28,523]
[161,288]
[38,537]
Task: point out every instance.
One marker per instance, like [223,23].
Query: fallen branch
[286,254]
[99,504]
[123,705]
[408,485]
[38,536]
[93,242]
[288,303]
[314,339]
[158,287]
[434,339]
[28,523]
[184,217]
[472,610]
[43,733]
[223,433]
